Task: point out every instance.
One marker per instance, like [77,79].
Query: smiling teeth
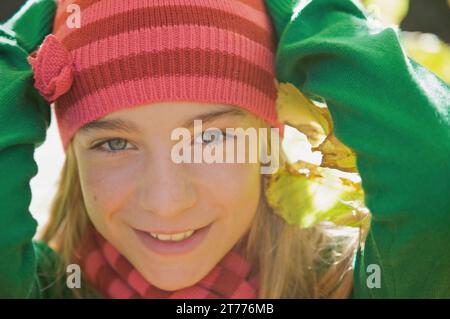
[172,237]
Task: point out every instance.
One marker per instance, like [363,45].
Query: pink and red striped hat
[135,52]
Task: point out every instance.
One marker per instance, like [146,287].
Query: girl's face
[133,189]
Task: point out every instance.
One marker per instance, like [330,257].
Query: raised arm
[395,115]
[24,118]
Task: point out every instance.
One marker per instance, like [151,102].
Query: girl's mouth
[173,244]
[173,237]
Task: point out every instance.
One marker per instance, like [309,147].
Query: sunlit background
[426,41]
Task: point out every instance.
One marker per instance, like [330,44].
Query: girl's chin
[180,276]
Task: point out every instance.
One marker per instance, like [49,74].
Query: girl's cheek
[107,188]
[230,183]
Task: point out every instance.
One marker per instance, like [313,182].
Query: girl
[140,225]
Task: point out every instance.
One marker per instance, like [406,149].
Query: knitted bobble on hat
[53,69]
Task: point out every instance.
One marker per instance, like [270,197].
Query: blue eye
[210,137]
[114,145]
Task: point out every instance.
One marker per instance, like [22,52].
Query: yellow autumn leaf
[296,110]
[303,192]
[304,195]
[337,155]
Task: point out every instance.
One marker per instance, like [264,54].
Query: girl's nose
[166,188]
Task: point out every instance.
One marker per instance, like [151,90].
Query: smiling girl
[141,225]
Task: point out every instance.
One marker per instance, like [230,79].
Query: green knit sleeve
[24,118]
[395,115]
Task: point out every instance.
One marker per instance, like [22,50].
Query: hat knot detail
[53,68]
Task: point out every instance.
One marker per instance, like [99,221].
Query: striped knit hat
[134,52]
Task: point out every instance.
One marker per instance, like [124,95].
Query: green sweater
[391,111]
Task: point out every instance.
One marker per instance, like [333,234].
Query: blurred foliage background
[425,26]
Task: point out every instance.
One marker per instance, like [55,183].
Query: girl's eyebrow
[110,125]
[211,116]
[130,127]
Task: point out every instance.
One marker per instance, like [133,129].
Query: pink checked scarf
[113,276]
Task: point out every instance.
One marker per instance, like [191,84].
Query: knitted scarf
[112,275]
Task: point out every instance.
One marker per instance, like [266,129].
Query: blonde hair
[291,262]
